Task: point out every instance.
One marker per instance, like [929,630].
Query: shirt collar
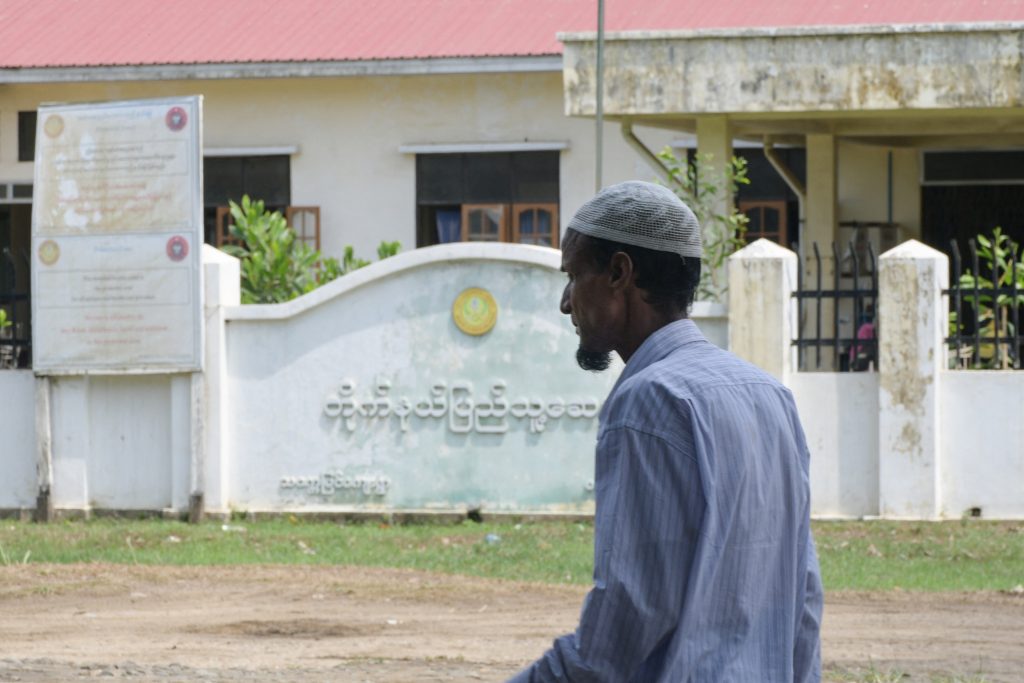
[659,344]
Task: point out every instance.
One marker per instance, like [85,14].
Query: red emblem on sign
[176,118]
[177,248]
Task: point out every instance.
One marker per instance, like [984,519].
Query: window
[769,203]
[967,192]
[535,224]
[767,219]
[973,167]
[26,136]
[228,178]
[487,197]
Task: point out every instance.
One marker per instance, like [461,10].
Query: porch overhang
[896,85]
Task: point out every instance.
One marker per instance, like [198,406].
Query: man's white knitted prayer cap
[642,214]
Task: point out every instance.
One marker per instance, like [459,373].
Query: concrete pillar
[820,226]
[222,287]
[762,312]
[714,139]
[822,193]
[912,323]
[714,143]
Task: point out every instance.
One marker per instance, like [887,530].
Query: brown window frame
[776,204]
[503,226]
[518,209]
[289,216]
[224,223]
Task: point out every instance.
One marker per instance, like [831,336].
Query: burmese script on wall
[442,379]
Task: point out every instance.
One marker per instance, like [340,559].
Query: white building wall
[864,186]
[348,132]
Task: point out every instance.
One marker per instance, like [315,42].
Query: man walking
[704,566]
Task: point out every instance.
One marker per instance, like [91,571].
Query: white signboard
[117,230]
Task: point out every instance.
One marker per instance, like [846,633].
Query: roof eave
[314,69]
[790,31]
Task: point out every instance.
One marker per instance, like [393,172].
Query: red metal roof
[61,33]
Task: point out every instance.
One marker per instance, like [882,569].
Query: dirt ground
[290,624]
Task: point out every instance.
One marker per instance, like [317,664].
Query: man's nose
[564,305]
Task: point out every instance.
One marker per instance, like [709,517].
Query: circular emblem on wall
[49,252]
[176,118]
[53,126]
[475,311]
[177,248]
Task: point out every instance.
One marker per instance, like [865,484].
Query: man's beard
[594,361]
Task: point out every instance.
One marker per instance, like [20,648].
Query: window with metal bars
[837,329]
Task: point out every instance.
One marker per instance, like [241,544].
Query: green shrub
[275,265]
[702,187]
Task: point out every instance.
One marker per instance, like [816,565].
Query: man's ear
[620,270]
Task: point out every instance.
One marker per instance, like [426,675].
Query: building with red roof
[433,120]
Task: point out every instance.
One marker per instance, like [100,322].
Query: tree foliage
[994,308]
[703,188]
[276,266]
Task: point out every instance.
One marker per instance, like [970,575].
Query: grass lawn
[932,556]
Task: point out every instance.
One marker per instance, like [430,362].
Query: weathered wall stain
[901,378]
[751,72]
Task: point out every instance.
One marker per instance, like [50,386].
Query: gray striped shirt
[704,565]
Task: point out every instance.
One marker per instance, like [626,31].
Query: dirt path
[291,624]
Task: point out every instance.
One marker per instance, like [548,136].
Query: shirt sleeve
[649,506]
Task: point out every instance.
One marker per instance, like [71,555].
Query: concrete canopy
[911,85]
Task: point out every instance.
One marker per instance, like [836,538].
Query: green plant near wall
[275,265]
[999,254]
[703,188]
[4,322]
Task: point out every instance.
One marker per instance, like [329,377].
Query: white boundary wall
[17,440]
[148,442]
[982,443]
[839,412]
[913,441]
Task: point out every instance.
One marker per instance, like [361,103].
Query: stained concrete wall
[798,70]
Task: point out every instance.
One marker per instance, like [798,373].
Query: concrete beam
[833,70]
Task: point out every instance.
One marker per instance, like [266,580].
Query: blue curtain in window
[449,226]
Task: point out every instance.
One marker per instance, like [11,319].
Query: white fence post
[762,278]
[912,325]
[223,288]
